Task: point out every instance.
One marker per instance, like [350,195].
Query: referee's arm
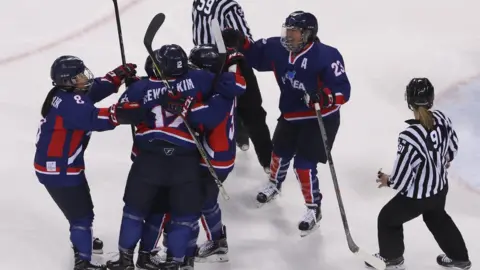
[407,160]
[235,18]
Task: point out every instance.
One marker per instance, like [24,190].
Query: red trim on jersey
[240,81]
[44,169]
[105,112]
[76,140]
[169,130]
[218,140]
[218,163]
[59,134]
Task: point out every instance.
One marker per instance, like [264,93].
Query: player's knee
[134,213]
[155,220]
[304,163]
[84,223]
[210,207]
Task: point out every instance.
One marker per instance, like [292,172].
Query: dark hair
[47,104]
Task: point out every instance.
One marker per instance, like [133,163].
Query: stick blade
[370,259]
[152,30]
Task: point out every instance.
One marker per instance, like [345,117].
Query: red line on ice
[73,35]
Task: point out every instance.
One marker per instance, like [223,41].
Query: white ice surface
[384,44]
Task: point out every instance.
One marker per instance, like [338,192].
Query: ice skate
[188,264]
[214,251]
[393,264]
[446,262]
[81,264]
[148,260]
[124,262]
[310,221]
[97,246]
[268,193]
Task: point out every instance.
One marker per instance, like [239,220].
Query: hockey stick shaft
[152,29]
[122,49]
[375,262]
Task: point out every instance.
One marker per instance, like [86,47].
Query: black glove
[178,105]
[119,74]
[126,113]
[323,96]
[233,38]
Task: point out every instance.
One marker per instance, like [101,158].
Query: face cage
[86,77]
[287,42]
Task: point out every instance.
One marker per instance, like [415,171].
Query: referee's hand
[382,178]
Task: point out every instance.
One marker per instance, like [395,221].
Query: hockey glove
[233,38]
[126,113]
[178,106]
[323,96]
[119,74]
[234,60]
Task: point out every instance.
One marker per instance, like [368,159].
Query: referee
[252,116]
[425,149]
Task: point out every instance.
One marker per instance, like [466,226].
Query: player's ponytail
[425,117]
[47,104]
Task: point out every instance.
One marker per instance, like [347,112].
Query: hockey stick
[222,51]
[122,49]
[375,262]
[152,30]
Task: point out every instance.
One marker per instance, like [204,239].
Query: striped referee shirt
[420,170]
[228,13]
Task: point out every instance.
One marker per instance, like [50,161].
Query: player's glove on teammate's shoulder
[127,113]
[178,105]
[323,96]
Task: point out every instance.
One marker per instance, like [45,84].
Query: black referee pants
[402,209]
[253,118]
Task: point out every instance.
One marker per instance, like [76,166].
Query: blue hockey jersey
[63,135]
[162,125]
[317,65]
[218,138]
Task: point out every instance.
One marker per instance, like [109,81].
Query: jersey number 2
[338,68]
[205,6]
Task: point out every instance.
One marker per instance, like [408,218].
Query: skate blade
[216,258]
[306,233]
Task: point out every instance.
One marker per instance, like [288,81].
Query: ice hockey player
[425,150]
[166,169]
[220,140]
[307,72]
[68,118]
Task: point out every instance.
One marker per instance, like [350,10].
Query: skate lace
[270,189]
[206,246]
[446,259]
[157,259]
[310,216]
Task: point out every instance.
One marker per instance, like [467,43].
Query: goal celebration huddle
[189,112]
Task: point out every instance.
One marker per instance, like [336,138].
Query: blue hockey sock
[192,245]
[179,235]
[278,168]
[130,229]
[152,228]
[81,236]
[306,172]
[212,219]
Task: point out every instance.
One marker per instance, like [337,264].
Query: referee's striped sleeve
[235,18]
[407,159]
